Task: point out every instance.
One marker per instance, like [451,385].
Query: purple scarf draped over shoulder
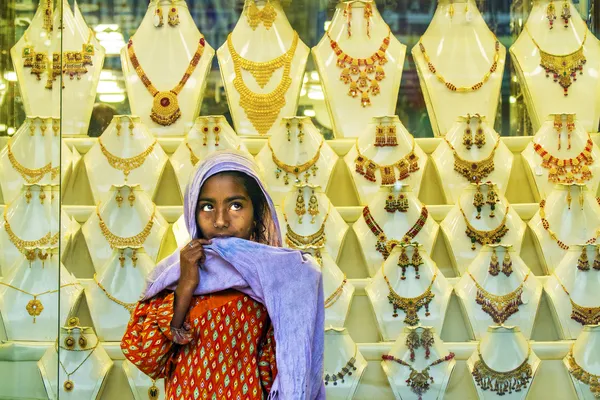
[286,282]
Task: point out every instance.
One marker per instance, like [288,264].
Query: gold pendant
[165,108]
[68,385]
[153,391]
[34,308]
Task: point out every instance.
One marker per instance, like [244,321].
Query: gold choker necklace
[128,306]
[34,306]
[262,109]
[474,171]
[131,241]
[581,314]
[587,378]
[485,237]
[24,245]
[314,241]
[307,168]
[405,166]
[126,165]
[346,370]
[502,382]
[499,307]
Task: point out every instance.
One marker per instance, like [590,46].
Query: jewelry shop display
[405,166]
[499,307]
[485,237]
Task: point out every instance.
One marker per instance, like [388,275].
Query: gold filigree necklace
[499,307]
[587,378]
[126,165]
[581,314]
[34,306]
[30,175]
[314,241]
[306,168]
[262,109]
[24,245]
[502,382]
[485,237]
[128,306]
[405,166]
[473,170]
[131,241]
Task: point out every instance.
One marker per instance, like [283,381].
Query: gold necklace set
[262,109]
[314,241]
[502,383]
[485,237]
[34,306]
[126,165]
[587,378]
[128,306]
[581,314]
[405,166]
[131,241]
[499,307]
[473,170]
[306,168]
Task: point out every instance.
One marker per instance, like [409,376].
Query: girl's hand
[190,258]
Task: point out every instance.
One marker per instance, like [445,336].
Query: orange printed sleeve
[267,365]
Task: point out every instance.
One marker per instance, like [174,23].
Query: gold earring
[492,199]
[467,135]
[551,13]
[380,136]
[119,198]
[300,205]
[368,13]
[55,127]
[42,195]
[507,264]
[288,125]
[566,14]
[30,256]
[402,203]
[158,17]
[390,204]
[217,131]
[69,341]
[479,135]
[204,135]
[131,126]
[134,258]
[597,259]
[43,257]
[173,15]
[569,197]
[313,206]
[570,129]
[583,263]
[391,138]
[451,9]
[403,262]
[300,132]
[82,341]
[558,127]
[348,16]
[122,258]
[494,268]
[254,16]
[581,197]
[478,201]
[416,261]
[28,194]
[131,197]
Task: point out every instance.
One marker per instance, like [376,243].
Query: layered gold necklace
[306,168]
[126,165]
[581,314]
[587,378]
[499,307]
[473,170]
[30,175]
[502,382]
[128,306]
[485,237]
[567,170]
[165,107]
[131,241]
[34,307]
[405,166]
[262,109]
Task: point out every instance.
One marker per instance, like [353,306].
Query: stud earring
[348,16]
[494,268]
[597,259]
[478,201]
[300,205]
[551,14]
[288,125]
[300,132]
[313,206]
[583,263]
[413,342]
[173,15]
[507,264]
[570,129]
[492,199]
[368,13]
[427,341]
[558,127]
[479,134]
[380,136]
[416,261]
[82,341]
[467,135]
[217,131]
[403,263]
[119,198]
[391,138]
[402,203]
[566,14]
[69,341]
[131,197]
[158,17]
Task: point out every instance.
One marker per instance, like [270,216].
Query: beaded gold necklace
[131,241]
[499,307]
[485,237]
[314,241]
[262,109]
[405,166]
[551,233]
[306,168]
[126,165]
[587,378]
[502,382]
[473,170]
[24,245]
[581,314]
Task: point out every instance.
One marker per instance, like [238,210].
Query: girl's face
[225,208]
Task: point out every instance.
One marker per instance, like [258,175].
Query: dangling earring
[570,129]
[569,198]
[28,194]
[566,13]
[551,13]
[134,258]
[131,197]
[288,125]
[118,126]
[348,16]
[451,9]
[42,195]
[478,201]
[479,135]
[558,127]
[467,135]
[300,205]
[82,341]
[403,262]
[583,263]
[119,198]
[368,14]
[69,341]
[390,204]
[380,136]
[492,199]
[173,15]
[43,257]
[122,258]
[402,203]
[30,256]
[507,264]
[300,132]
[158,21]
[391,139]
[416,261]
[217,131]
[412,343]
[494,268]
[427,341]
[204,135]
[313,206]
[581,197]
[131,127]
[597,259]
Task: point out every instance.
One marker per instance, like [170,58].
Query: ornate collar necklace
[126,165]
[581,314]
[410,305]
[306,168]
[336,294]
[131,241]
[68,384]
[356,71]
[165,107]
[385,246]
[563,67]
[346,370]
[30,175]
[567,170]
[502,382]
[551,233]
[499,307]
[128,306]
[485,237]
[314,241]
[262,109]
[24,245]
[473,170]
[406,165]
[462,89]
[34,306]
[587,378]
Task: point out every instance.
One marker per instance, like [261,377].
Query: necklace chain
[336,294]
[552,234]
[68,384]
[35,307]
[128,306]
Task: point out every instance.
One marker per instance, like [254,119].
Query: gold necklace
[24,245]
[502,382]
[35,307]
[361,68]
[165,107]
[551,233]
[564,67]
[128,306]
[336,294]
[307,168]
[485,237]
[581,314]
[499,307]
[262,109]
[68,384]
[30,175]
[473,170]
[410,305]
[587,378]
[406,165]
[126,165]
[314,241]
[346,370]
[131,241]
[568,170]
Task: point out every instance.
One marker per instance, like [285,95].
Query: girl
[231,315]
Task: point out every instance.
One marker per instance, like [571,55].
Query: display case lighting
[10,131]
[3,127]
[112,98]
[310,113]
[10,76]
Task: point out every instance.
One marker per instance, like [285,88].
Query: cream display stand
[339,349]
[454,227]
[141,383]
[346,113]
[395,225]
[366,189]
[575,225]
[125,282]
[503,349]
[377,291]
[550,139]
[124,221]
[398,374]
[585,351]
[499,285]
[333,277]
[209,134]
[293,153]
[543,96]
[583,288]
[462,49]
[262,45]
[164,54]
[126,137]
[453,183]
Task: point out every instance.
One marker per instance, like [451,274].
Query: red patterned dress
[230,353]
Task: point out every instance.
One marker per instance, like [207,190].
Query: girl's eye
[206,207]
[236,206]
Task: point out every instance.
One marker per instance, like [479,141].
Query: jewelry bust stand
[28,156]
[505,352]
[296,145]
[140,383]
[209,134]
[83,371]
[583,359]
[543,94]
[458,166]
[421,301]
[358,31]
[341,352]
[396,226]
[573,290]
[337,290]
[562,140]
[399,376]
[123,279]
[262,70]
[328,229]
[166,55]
[127,224]
[497,292]
[569,222]
[371,164]
[460,64]
[505,227]
[126,154]
[29,299]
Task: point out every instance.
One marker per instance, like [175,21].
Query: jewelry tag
[469,16]
[539,171]
[525,297]
[156,20]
